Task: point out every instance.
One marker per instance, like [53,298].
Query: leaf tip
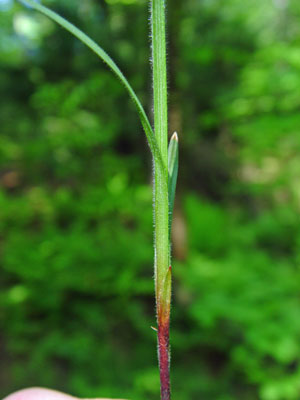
[175,136]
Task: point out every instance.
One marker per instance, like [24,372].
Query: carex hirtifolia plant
[165,162]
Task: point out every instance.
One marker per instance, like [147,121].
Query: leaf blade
[173,173]
[85,39]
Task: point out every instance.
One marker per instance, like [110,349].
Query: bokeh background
[76,299]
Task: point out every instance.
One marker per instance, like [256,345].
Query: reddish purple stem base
[164,358]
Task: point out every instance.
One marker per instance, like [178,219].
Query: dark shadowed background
[76,299]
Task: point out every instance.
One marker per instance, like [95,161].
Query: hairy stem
[164,359]
[161,202]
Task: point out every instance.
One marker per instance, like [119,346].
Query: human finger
[43,394]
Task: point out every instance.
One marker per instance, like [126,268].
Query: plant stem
[161,202]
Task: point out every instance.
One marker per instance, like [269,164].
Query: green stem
[161,203]
[161,134]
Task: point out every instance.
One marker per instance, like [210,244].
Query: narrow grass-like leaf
[173,172]
[107,60]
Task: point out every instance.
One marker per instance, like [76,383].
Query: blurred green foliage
[76,301]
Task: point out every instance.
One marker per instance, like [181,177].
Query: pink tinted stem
[164,358]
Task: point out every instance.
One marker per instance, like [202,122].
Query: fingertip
[38,394]
[43,394]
